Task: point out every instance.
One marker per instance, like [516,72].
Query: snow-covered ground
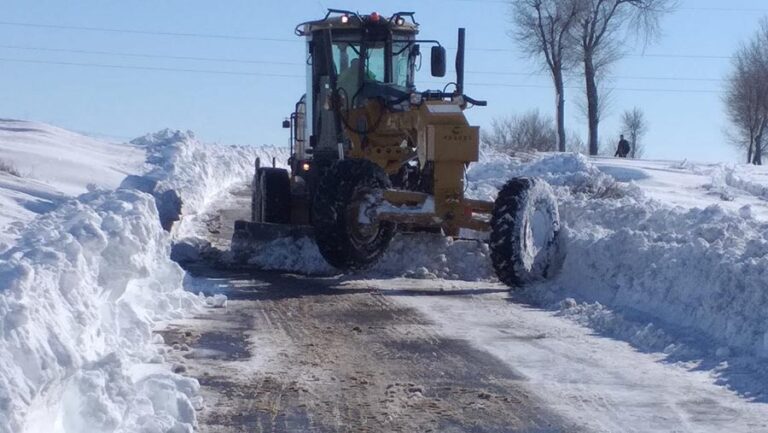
[665,258]
[54,164]
[691,185]
[86,275]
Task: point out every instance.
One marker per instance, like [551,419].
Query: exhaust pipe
[460,62]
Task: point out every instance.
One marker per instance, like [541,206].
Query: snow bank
[79,294]
[55,165]
[704,269]
[747,182]
[409,255]
[186,175]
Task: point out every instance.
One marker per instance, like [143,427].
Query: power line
[295,40]
[626,89]
[260,74]
[150,68]
[698,9]
[148,56]
[146,32]
[719,9]
[621,77]
[269,62]
[683,56]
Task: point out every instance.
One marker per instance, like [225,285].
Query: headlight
[344,19]
[305,166]
[416,98]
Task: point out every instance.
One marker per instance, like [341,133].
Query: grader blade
[248,235]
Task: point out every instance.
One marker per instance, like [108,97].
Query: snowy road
[297,354]
[294,354]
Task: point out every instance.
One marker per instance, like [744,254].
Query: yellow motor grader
[371,155]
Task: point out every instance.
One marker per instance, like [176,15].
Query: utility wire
[259,74]
[295,40]
[146,32]
[148,56]
[695,9]
[627,89]
[149,68]
[621,77]
[269,62]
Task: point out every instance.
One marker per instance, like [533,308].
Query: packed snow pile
[53,165]
[573,172]
[428,256]
[704,269]
[687,262]
[186,175]
[81,291]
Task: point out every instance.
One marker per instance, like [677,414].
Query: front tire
[525,241]
[345,236]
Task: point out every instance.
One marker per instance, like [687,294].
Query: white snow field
[692,185]
[664,283]
[86,275]
[54,164]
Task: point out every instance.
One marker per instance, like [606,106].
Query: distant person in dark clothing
[623,149]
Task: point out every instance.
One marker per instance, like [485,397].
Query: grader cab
[371,155]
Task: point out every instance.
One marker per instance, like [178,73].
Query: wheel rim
[362,226]
[537,235]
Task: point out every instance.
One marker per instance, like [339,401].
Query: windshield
[347,58]
[374,65]
[401,67]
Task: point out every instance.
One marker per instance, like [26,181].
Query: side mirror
[286,123]
[438,61]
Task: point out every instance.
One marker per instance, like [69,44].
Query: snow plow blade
[265,232]
[248,234]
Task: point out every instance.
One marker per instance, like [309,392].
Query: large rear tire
[525,241]
[271,196]
[347,236]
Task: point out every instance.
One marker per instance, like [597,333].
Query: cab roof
[337,19]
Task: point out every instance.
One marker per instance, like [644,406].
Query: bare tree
[599,32]
[528,132]
[746,97]
[543,30]
[577,145]
[634,126]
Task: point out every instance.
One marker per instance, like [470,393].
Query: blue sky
[676,81]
